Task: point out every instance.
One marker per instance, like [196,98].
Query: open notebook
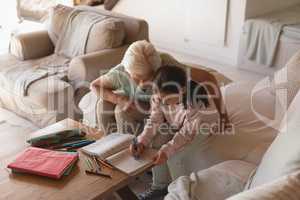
[114,148]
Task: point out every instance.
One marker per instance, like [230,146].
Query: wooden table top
[77,185]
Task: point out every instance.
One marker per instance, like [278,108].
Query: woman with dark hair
[179,108]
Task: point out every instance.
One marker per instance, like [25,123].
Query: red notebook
[43,162]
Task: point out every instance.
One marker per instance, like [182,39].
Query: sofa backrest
[135,29]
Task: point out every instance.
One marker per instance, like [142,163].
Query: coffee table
[77,185]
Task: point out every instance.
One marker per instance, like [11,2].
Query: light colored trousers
[111,118]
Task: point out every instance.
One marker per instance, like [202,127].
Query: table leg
[126,194]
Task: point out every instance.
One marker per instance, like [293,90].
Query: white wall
[8,13]
[168,28]
[260,7]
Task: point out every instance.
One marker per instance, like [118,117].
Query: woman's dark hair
[170,79]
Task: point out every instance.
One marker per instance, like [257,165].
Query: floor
[233,72]
[139,185]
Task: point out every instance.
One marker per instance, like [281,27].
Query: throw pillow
[107,34]
[57,17]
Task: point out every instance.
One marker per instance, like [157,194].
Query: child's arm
[184,136]
[153,123]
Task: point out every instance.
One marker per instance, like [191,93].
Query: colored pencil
[90,166]
[106,164]
[98,174]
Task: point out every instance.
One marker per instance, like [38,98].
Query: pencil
[97,161]
[98,167]
[135,147]
[105,164]
[88,164]
[98,174]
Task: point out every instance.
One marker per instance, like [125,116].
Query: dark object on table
[74,144]
[93,2]
[110,4]
[56,138]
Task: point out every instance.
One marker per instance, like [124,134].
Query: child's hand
[138,151]
[160,158]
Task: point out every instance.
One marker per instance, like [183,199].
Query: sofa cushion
[57,17]
[215,183]
[47,100]
[285,188]
[251,106]
[136,29]
[107,34]
[253,112]
[283,156]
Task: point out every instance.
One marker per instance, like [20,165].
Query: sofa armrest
[88,107]
[86,68]
[32,45]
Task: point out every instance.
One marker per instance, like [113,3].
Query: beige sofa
[261,160]
[51,99]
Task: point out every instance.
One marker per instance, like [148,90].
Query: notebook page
[125,162]
[109,145]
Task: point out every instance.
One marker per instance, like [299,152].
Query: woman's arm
[103,88]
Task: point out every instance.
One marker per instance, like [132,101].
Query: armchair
[261,157]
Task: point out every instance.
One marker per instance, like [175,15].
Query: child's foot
[152,193]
